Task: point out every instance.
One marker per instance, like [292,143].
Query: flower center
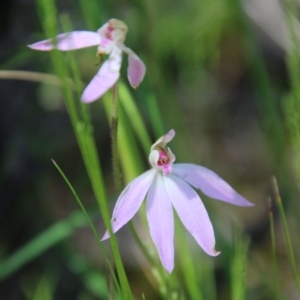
[163,158]
[108,33]
[164,161]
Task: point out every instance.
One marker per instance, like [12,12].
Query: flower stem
[114,138]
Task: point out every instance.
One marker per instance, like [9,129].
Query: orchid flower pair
[110,40]
[168,186]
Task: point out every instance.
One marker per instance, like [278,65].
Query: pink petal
[100,84]
[209,183]
[68,41]
[130,201]
[161,222]
[192,213]
[136,70]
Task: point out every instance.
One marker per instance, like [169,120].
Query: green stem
[275,267]
[239,266]
[289,246]
[114,138]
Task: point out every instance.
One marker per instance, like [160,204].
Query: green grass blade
[134,117]
[239,266]
[93,13]
[273,243]
[191,279]
[287,236]
[41,243]
[89,222]
[131,157]
[154,114]
[38,288]
[43,290]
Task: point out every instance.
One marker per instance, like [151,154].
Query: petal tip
[45,45]
[33,47]
[90,95]
[105,236]
[172,132]
[169,268]
[216,252]
[87,100]
[246,203]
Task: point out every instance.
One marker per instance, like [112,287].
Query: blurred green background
[217,73]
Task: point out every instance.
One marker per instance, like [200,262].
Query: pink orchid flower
[168,185]
[110,40]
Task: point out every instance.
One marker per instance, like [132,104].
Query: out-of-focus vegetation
[224,74]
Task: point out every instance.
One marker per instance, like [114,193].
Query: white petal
[192,213]
[153,158]
[106,77]
[161,222]
[100,84]
[69,41]
[162,141]
[130,201]
[116,59]
[105,46]
[209,183]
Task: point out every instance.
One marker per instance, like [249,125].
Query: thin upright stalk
[287,236]
[275,266]
[114,138]
[239,266]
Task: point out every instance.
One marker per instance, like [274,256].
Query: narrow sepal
[209,183]
[161,222]
[130,201]
[192,213]
[68,41]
